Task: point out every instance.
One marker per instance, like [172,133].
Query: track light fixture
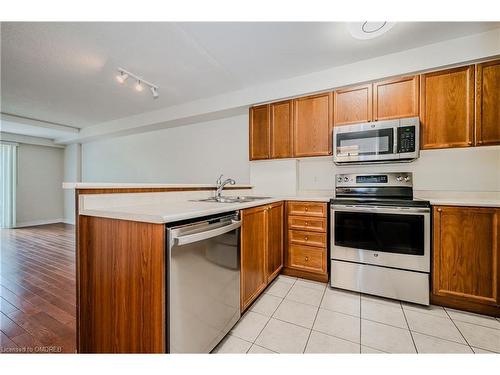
[123,75]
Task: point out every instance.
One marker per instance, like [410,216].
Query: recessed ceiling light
[368,29]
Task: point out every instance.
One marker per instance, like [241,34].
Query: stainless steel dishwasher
[203,282]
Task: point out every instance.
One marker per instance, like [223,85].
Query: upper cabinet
[312,125]
[352,105]
[488,103]
[281,130]
[259,132]
[447,108]
[395,98]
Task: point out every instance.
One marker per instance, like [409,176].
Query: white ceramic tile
[480,337]
[482,351]
[429,344]
[296,313]
[256,349]
[432,309]
[337,324]
[266,304]
[341,301]
[368,350]
[322,343]
[468,317]
[249,326]
[278,288]
[385,301]
[283,337]
[383,313]
[433,326]
[387,338]
[232,344]
[287,279]
[311,284]
[305,295]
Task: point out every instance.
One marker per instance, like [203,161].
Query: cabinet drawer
[307,258]
[307,209]
[307,223]
[307,238]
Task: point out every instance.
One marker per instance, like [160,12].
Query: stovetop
[410,202]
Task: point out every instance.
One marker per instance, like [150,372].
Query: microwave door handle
[395,142]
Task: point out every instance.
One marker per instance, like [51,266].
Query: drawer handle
[307,223]
[306,238]
[306,258]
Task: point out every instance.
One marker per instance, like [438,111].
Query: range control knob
[399,178]
[339,179]
[407,178]
[346,179]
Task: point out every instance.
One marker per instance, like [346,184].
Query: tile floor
[299,316]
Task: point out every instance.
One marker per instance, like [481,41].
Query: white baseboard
[69,221]
[39,222]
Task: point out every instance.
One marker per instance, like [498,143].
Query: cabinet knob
[469,143]
[306,238]
[307,209]
[440,209]
[307,223]
[479,142]
[306,258]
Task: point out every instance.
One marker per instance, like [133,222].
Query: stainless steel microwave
[377,142]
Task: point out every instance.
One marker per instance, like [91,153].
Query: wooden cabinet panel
[352,105]
[307,223]
[312,125]
[281,130]
[259,132]
[116,257]
[253,254]
[447,108]
[307,258]
[395,98]
[466,254]
[307,238]
[488,103]
[275,240]
[306,208]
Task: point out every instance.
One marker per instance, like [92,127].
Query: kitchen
[349,204]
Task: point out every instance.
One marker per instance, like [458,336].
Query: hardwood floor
[37,289]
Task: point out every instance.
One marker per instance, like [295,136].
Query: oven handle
[381,210]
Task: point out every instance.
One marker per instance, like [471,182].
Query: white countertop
[460,198]
[125,185]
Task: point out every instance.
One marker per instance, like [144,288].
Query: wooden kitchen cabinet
[306,246]
[447,108]
[488,103]
[352,105]
[312,125]
[281,130]
[259,132]
[395,98]
[466,258]
[261,249]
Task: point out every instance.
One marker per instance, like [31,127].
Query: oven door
[397,237]
[366,142]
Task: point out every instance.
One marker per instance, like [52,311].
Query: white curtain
[8,182]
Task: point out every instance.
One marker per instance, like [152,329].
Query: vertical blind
[8,182]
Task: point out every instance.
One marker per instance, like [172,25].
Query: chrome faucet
[220,185]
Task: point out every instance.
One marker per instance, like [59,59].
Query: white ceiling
[65,72]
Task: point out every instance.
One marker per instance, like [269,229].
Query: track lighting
[123,75]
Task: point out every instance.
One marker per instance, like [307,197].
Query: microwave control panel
[406,139]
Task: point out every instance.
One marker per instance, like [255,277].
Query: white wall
[195,153]
[39,189]
[72,173]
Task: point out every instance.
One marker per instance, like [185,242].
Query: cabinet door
[281,130]
[395,98]
[488,103]
[466,254]
[313,125]
[253,254]
[447,108]
[352,105]
[275,240]
[259,132]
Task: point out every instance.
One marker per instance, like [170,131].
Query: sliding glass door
[8,182]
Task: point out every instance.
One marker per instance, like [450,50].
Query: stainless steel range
[380,237]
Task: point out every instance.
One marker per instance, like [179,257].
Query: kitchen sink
[237,199]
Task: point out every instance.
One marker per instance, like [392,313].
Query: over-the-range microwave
[377,142]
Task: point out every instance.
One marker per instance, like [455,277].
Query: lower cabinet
[306,249]
[261,249]
[466,258]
